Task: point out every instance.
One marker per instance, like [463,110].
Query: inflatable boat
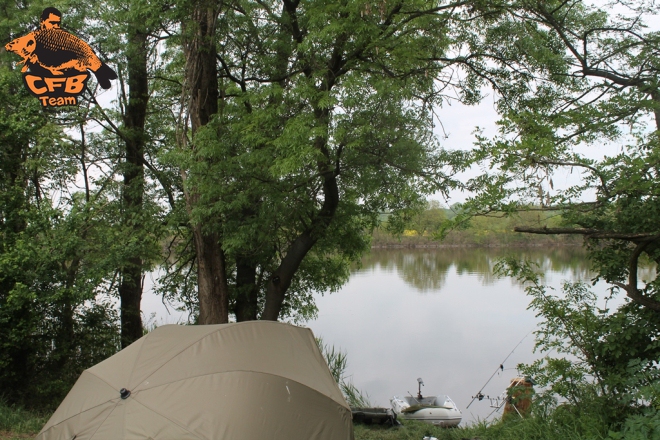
[436,410]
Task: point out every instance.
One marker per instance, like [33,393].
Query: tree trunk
[211,283]
[281,279]
[130,295]
[328,171]
[655,96]
[247,292]
[283,275]
[130,288]
[201,69]
[202,88]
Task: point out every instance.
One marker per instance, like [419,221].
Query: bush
[604,367]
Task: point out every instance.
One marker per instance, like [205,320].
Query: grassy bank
[17,423]
[535,428]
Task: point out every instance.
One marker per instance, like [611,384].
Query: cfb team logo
[56,63]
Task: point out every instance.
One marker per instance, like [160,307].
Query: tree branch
[589,233]
[631,288]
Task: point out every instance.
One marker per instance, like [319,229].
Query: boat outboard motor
[419,391]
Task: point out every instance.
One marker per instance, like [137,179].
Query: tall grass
[533,428]
[18,423]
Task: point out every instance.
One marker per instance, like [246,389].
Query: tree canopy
[595,88]
[324,121]
[592,111]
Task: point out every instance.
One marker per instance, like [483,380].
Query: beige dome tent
[244,381]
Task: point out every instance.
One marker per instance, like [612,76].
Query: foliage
[531,428]
[66,233]
[19,422]
[591,110]
[325,120]
[429,220]
[605,361]
[640,426]
[53,320]
[56,259]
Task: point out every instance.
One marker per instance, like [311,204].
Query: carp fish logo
[56,63]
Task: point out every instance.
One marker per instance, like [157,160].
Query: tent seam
[77,414]
[104,420]
[101,379]
[88,409]
[167,418]
[130,378]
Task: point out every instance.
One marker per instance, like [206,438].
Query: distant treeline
[424,229]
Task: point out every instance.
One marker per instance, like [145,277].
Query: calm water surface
[439,314]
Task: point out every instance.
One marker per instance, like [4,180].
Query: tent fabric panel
[122,419]
[160,345]
[131,420]
[248,405]
[263,346]
[113,425]
[116,370]
[81,426]
[88,392]
[143,423]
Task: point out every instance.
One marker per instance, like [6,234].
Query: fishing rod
[500,368]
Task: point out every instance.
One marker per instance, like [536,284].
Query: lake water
[439,314]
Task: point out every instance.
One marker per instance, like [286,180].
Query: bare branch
[589,233]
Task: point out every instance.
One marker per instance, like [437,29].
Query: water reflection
[426,269]
[441,314]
